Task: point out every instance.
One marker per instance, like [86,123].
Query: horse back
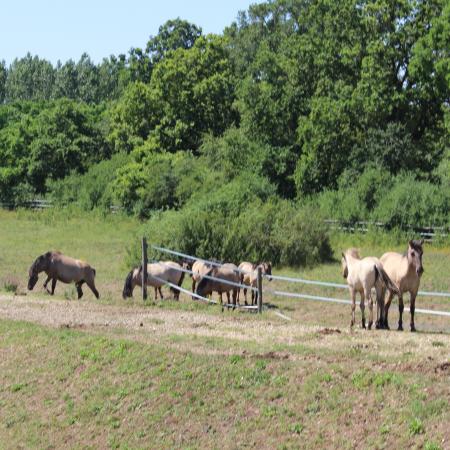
[68,269]
[248,268]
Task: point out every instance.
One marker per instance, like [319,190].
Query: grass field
[111,374]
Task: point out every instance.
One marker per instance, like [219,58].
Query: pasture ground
[88,374]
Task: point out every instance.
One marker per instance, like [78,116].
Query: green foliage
[243,220]
[172,35]
[414,203]
[90,190]
[342,104]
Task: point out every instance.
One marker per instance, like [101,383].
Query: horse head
[266,268]
[130,283]
[40,264]
[204,287]
[415,252]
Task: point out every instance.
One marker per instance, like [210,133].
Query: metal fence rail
[309,282]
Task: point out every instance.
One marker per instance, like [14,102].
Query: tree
[66,80]
[87,79]
[172,35]
[3,76]
[29,78]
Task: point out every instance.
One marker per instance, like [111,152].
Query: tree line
[343,105]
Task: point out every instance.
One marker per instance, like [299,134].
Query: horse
[227,272]
[249,277]
[362,275]
[63,268]
[199,268]
[158,274]
[405,270]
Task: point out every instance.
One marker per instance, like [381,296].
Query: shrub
[91,190]
[414,203]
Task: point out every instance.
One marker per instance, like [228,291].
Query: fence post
[144,268]
[260,291]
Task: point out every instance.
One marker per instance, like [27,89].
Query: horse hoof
[413,329]
[400,328]
[370,326]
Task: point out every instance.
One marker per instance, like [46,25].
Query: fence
[427,233]
[262,290]
[233,305]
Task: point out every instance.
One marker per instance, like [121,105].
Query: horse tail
[381,273]
[93,270]
[128,288]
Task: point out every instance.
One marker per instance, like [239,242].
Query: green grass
[68,388]
[116,388]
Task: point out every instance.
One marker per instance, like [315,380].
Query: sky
[62,30]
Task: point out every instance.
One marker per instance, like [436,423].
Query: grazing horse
[199,268]
[63,268]
[249,277]
[405,270]
[362,275]
[226,272]
[158,274]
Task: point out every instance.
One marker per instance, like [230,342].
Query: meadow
[116,374]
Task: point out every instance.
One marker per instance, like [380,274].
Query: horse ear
[343,254]
[410,243]
[421,242]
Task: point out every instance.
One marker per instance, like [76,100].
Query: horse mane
[38,261]
[353,252]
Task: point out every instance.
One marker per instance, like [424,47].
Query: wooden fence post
[144,268]
[260,291]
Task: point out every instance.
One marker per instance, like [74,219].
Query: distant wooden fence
[427,233]
[43,204]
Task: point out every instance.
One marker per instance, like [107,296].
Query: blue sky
[63,29]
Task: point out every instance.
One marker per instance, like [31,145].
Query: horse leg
[386,310]
[401,307]
[193,288]
[362,306]
[160,293]
[353,296]
[79,291]
[412,308]
[46,282]
[53,286]
[245,296]
[370,305]
[380,306]
[91,285]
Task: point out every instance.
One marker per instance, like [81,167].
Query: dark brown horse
[63,268]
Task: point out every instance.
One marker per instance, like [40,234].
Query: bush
[91,190]
[275,231]
[414,203]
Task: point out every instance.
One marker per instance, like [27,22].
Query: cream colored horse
[362,275]
[249,277]
[199,268]
[59,267]
[227,272]
[157,275]
[405,270]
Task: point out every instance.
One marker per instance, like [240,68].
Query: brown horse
[63,268]
[226,272]
[249,276]
[157,275]
[405,271]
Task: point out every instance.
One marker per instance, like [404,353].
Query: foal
[362,275]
